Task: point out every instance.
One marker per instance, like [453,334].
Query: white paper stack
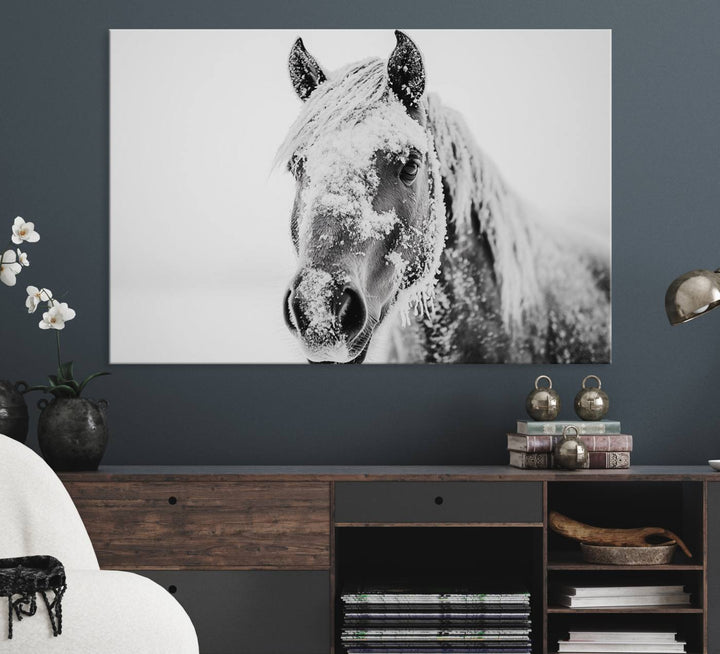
[582,597]
[625,642]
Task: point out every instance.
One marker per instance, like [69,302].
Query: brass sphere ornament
[570,452]
[591,403]
[543,403]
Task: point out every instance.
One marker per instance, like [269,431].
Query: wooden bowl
[614,555]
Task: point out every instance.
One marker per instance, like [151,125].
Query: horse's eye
[409,171]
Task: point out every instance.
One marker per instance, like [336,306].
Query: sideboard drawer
[442,501]
[245,525]
[253,611]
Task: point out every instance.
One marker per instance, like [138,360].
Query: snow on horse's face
[363,219]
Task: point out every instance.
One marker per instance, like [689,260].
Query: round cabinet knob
[439,500]
[570,452]
[591,402]
[543,403]
[172,500]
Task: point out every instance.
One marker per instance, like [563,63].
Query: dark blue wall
[664,383]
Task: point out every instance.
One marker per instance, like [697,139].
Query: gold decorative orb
[543,403]
[591,403]
[570,452]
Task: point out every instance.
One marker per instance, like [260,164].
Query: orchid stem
[57,340]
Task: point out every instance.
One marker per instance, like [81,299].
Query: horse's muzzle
[327,316]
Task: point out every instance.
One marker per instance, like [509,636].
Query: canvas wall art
[360,196]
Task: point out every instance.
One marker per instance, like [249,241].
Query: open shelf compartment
[491,559]
[675,506]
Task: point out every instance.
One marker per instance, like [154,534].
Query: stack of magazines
[387,621]
[583,597]
[601,642]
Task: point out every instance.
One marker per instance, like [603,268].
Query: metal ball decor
[543,403]
[591,403]
[570,452]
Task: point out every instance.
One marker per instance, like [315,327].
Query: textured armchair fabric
[104,612]
[36,512]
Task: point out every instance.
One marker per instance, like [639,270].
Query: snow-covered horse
[401,221]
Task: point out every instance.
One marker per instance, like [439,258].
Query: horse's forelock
[344,99]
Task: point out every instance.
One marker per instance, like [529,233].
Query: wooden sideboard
[258,555]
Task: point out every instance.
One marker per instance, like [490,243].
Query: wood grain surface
[156,525]
[390,473]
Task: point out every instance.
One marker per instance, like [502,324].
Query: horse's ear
[406,71]
[305,73]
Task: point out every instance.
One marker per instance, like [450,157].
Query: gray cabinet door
[713,571]
[254,612]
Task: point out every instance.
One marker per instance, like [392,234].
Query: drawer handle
[439,500]
[172,589]
[172,500]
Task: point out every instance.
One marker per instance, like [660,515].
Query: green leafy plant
[63,384]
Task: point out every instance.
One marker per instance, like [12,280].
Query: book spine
[531,427]
[617,591]
[530,461]
[531,443]
[596,460]
[608,460]
[681,599]
[593,442]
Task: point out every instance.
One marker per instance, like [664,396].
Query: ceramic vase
[73,433]
[13,410]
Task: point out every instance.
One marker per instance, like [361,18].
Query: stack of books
[384,621]
[599,642]
[531,446]
[583,597]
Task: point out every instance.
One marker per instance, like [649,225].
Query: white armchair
[104,612]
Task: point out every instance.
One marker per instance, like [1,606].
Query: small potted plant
[72,430]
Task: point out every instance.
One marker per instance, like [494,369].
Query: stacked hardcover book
[583,597]
[403,622]
[531,446]
[599,642]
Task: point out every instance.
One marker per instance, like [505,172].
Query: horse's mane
[343,100]
[546,275]
[484,207]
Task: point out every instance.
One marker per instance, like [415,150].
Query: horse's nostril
[321,311]
[286,311]
[351,312]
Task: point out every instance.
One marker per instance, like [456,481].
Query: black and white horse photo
[440,196]
[402,223]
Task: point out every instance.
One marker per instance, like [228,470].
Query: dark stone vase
[13,410]
[73,433]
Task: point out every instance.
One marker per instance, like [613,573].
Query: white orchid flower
[23,231]
[56,317]
[9,267]
[22,258]
[36,296]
